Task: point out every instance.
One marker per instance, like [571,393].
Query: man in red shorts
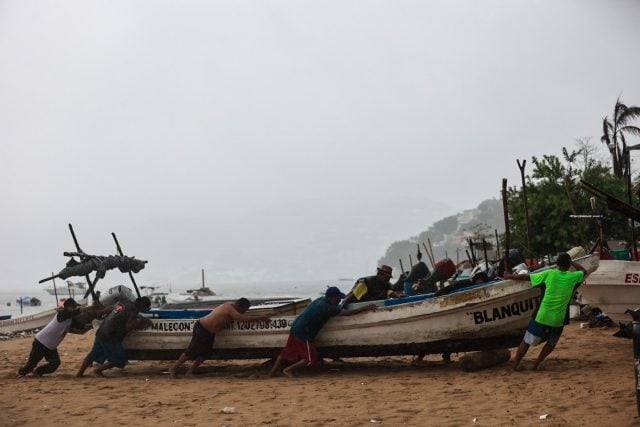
[299,349]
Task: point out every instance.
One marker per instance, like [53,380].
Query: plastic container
[408,290]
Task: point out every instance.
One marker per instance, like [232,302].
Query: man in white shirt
[45,343]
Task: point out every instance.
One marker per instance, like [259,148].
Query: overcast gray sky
[283,140]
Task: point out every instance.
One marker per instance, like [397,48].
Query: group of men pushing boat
[558,286]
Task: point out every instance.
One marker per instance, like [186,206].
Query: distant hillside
[449,235]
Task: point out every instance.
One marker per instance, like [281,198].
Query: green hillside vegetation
[553,193]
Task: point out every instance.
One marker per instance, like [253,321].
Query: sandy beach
[587,381]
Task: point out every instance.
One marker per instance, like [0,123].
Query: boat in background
[72,289]
[5,317]
[29,301]
[26,323]
[613,288]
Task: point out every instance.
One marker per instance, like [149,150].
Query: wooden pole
[55,291]
[507,232]
[426,249]
[89,282]
[497,244]
[401,266]
[203,278]
[469,258]
[410,262]
[526,206]
[115,239]
[484,248]
[431,250]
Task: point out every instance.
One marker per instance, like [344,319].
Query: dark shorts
[297,349]
[201,345]
[110,351]
[537,332]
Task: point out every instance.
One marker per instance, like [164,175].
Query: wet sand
[587,381]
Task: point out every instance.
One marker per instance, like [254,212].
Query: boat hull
[614,287]
[487,316]
[492,316]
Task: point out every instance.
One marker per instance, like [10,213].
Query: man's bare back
[224,314]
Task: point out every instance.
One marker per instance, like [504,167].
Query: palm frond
[629,114]
[633,130]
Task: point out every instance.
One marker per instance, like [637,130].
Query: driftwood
[484,359]
[99,264]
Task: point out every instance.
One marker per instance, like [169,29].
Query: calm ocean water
[305,289]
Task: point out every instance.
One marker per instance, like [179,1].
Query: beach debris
[545,416]
[484,359]
[475,420]
[228,410]
[374,421]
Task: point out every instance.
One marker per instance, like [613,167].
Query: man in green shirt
[559,283]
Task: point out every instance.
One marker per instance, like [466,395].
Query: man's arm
[370,307]
[579,267]
[236,315]
[522,277]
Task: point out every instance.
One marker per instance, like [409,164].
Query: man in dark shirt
[107,347]
[373,288]
[299,349]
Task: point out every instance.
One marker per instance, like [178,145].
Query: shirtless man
[205,330]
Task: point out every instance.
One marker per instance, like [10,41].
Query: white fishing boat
[26,323]
[486,316]
[69,289]
[614,287]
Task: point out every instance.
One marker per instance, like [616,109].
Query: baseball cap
[333,291]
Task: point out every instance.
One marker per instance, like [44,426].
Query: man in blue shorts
[107,347]
[560,284]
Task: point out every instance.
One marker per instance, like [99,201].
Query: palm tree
[613,135]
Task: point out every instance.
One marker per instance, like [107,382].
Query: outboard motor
[117,294]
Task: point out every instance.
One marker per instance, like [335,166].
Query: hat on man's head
[385,269]
[70,302]
[333,291]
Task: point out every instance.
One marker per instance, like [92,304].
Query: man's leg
[276,366]
[85,364]
[288,371]
[53,362]
[197,362]
[522,350]
[35,356]
[174,369]
[100,369]
[546,350]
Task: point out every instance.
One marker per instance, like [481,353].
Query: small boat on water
[28,301]
[5,316]
[479,317]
